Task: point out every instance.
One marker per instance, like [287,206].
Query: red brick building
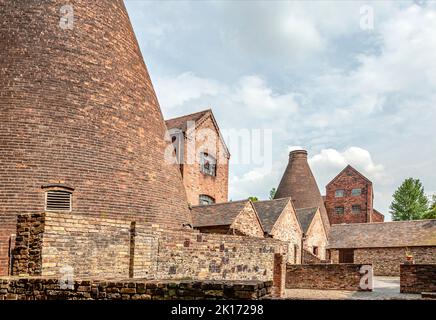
[202,155]
[349,198]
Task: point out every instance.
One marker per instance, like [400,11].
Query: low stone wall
[50,289]
[417,278]
[310,258]
[103,247]
[325,276]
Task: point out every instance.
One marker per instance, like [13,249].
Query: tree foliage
[253,199]
[410,202]
[431,213]
[272,193]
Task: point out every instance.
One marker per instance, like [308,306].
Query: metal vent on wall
[57,200]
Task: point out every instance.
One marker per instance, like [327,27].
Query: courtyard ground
[385,288]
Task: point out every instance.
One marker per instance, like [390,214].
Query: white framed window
[58,200]
[207,164]
[356,192]
[339,193]
[206,200]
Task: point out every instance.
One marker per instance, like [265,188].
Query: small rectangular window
[207,164]
[315,251]
[339,210]
[355,208]
[339,193]
[356,192]
[58,200]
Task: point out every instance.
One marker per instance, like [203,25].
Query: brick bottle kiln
[79,119]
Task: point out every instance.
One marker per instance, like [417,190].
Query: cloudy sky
[329,77]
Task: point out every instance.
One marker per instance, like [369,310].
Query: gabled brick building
[280,222]
[202,155]
[314,239]
[235,218]
[349,198]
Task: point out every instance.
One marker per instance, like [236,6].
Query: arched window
[205,200]
[207,164]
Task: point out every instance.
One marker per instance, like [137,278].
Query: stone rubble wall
[417,278]
[113,248]
[53,289]
[324,277]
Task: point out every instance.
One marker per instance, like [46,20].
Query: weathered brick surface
[103,248]
[78,107]
[386,261]
[51,289]
[316,237]
[8,226]
[287,229]
[196,182]
[417,278]
[347,180]
[324,276]
[247,222]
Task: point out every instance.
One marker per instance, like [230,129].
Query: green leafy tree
[410,202]
[431,213]
[272,193]
[253,199]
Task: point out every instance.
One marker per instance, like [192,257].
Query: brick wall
[324,276]
[50,289]
[195,182]
[349,179]
[8,226]
[247,222]
[287,229]
[110,248]
[386,261]
[417,278]
[316,237]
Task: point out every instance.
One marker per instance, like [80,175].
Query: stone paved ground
[385,288]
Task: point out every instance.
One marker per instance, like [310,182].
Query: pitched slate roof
[219,214]
[269,211]
[383,234]
[181,122]
[305,217]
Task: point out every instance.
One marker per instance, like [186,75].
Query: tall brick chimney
[299,183]
[78,111]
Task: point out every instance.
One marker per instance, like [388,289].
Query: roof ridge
[220,203]
[385,222]
[190,114]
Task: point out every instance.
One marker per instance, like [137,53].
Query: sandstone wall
[248,223]
[8,226]
[316,237]
[287,229]
[119,249]
[417,278]
[52,289]
[324,276]
[386,261]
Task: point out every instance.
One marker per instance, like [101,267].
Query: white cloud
[328,163]
[254,94]
[175,91]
